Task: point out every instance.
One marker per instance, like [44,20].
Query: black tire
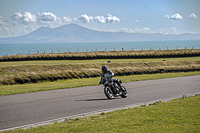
[108,92]
[124,92]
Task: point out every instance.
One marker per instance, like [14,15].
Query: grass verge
[72,83]
[178,115]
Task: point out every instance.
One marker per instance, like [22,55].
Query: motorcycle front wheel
[124,92]
[108,92]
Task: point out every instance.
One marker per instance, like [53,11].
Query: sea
[24,49]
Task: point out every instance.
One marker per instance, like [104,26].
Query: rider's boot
[115,90]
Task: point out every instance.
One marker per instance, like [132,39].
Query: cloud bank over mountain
[26,22]
[22,23]
[27,17]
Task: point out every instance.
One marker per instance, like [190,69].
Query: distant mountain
[76,33]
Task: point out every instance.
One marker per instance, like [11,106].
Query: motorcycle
[109,90]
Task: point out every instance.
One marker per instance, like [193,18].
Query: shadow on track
[102,99]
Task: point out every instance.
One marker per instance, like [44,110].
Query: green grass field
[180,115]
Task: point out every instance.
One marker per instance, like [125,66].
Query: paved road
[23,109]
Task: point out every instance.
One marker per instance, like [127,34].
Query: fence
[87,50]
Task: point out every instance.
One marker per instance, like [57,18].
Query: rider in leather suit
[108,74]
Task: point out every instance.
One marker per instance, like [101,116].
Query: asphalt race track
[23,109]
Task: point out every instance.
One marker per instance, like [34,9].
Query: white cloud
[169,30]
[4,29]
[16,17]
[100,19]
[192,15]
[126,30]
[111,19]
[85,18]
[50,18]
[66,19]
[2,23]
[176,16]
[29,18]
[137,30]
[167,16]
[146,29]
[23,23]
[19,18]
[1,18]
[47,16]
[40,19]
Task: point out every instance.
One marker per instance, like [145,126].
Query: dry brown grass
[39,70]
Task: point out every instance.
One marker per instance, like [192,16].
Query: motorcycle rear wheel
[108,92]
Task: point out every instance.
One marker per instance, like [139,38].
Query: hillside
[76,33]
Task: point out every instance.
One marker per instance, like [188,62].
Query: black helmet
[104,69]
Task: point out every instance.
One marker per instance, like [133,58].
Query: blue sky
[19,17]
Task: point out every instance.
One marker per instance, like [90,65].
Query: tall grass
[23,72]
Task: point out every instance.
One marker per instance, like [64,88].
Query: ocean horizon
[24,49]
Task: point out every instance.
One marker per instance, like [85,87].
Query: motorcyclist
[108,75]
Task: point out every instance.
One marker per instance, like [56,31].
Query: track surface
[23,109]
